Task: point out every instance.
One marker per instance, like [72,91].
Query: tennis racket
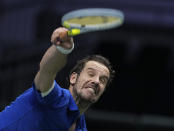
[91,19]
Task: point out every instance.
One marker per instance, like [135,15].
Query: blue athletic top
[31,112]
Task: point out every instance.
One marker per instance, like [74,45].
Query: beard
[81,96]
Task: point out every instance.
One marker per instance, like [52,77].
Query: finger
[61,33]
[55,35]
[60,36]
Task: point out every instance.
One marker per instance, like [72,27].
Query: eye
[103,80]
[91,74]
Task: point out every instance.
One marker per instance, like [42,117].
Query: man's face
[91,82]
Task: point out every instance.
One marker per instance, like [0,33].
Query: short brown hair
[98,58]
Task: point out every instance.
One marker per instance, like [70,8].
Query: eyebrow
[90,68]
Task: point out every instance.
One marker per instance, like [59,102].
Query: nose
[96,80]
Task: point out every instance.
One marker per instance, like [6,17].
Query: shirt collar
[72,104]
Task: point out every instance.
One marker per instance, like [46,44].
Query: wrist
[65,51]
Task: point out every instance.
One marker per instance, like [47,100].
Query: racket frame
[75,29]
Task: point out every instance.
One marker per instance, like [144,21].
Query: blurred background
[142,52]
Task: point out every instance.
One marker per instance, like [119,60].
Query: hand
[60,38]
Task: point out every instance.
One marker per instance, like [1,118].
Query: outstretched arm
[53,60]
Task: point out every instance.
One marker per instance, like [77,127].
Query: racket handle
[73,32]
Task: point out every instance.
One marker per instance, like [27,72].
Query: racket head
[92,19]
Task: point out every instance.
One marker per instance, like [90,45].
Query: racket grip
[73,32]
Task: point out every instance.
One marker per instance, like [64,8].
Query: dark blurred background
[142,52]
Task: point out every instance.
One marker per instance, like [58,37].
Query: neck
[82,104]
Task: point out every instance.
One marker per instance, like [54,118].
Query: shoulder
[56,98]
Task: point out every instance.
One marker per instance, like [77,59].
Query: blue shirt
[31,112]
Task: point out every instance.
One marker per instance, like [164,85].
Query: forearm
[54,59]
[52,62]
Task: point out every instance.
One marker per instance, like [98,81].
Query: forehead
[97,66]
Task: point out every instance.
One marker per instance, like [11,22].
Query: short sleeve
[57,98]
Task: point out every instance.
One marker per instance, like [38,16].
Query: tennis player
[48,107]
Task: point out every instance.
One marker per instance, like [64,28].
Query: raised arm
[53,60]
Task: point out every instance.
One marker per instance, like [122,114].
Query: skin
[86,87]
[53,60]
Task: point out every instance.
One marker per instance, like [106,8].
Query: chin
[85,96]
[89,99]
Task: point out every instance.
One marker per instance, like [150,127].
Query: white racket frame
[94,12]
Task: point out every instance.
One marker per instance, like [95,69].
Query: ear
[73,78]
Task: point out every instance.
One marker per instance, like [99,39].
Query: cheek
[79,84]
[102,89]
[81,81]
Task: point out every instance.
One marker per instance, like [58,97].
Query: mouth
[93,89]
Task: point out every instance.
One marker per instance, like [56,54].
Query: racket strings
[92,20]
